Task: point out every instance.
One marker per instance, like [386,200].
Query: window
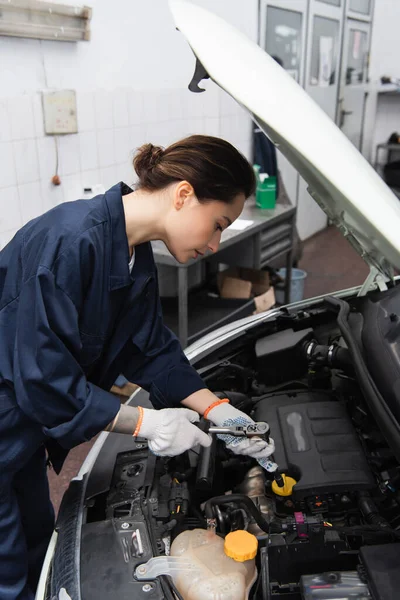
[324,54]
[361,6]
[283,39]
[356,57]
[334,2]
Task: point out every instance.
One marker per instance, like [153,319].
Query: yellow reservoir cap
[287,489]
[241,545]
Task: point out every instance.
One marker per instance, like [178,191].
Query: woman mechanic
[79,306]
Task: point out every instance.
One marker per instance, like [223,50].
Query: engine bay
[330,532]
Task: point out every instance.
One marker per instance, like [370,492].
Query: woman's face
[194,228]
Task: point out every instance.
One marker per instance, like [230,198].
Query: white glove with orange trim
[223,414]
[170,431]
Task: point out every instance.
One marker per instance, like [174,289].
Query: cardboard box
[246,283]
[265,301]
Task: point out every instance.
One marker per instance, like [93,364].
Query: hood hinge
[374,280]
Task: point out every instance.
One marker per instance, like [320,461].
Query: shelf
[389,88]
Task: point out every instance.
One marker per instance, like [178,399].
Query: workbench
[269,236]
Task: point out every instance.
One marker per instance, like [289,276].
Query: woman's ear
[183,193]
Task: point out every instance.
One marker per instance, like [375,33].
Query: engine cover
[315,439]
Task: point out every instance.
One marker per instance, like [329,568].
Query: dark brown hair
[215,169]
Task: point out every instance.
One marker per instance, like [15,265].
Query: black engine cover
[314,437]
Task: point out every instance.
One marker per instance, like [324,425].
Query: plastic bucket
[296,286]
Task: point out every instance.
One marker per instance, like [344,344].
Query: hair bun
[147,157]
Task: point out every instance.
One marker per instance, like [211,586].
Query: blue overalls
[72,318]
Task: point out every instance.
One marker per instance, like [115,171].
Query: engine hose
[248,506]
[370,511]
[375,401]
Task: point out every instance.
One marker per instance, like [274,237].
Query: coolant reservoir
[225,569]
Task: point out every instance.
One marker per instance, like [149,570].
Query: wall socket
[59,109]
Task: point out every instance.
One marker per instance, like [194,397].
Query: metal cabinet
[324,45]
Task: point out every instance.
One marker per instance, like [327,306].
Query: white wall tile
[26,161]
[85,111]
[241,126]
[124,172]
[69,154]
[228,106]
[163,108]
[52,195]
[180,129]
[108,176]
[137,137]
[8,174]
[90,178]
[38,119]
[120,108]
[30,197]
[245,147]
[103,101]
[162,133]
[211,100]
[150,107]
[171,132]
[88,150]
[196,126]
[226,127]
[135,107]
[10,211]
[152,135]
[5,124]
[211,126]
[47,157]
[243,112]
[72,187]
[174,102]
[105,148]
[193,106]
[6,236]
[21,115]
[122,144]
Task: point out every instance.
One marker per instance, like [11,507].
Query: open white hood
[343,183]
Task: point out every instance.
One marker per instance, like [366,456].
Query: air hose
[248,505]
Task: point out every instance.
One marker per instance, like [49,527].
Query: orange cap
[241,545]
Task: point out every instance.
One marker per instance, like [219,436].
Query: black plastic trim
[384,417]
[65,572]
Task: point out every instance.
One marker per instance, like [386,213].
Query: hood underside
[340,180]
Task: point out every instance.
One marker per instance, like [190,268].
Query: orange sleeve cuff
[213,405]
[140,421]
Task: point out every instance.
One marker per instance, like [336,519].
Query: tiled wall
[111,125]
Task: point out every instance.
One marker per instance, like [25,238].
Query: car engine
[329,531]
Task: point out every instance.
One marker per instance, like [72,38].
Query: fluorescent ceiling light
[44,20]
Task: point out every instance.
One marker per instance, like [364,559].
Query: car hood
[340,180]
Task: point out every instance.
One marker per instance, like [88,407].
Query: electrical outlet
[59,109]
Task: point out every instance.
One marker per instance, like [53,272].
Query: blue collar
[119,261]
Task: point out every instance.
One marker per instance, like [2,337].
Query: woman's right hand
[170,431]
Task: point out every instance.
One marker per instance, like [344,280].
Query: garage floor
[331,264]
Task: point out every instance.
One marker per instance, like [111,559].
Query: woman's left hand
[226,415]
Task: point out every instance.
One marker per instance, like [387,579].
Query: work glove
[226,415]
[170,431]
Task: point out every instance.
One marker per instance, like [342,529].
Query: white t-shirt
[132,262]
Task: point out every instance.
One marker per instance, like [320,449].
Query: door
[283,26]
[354,73]
[322,81]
